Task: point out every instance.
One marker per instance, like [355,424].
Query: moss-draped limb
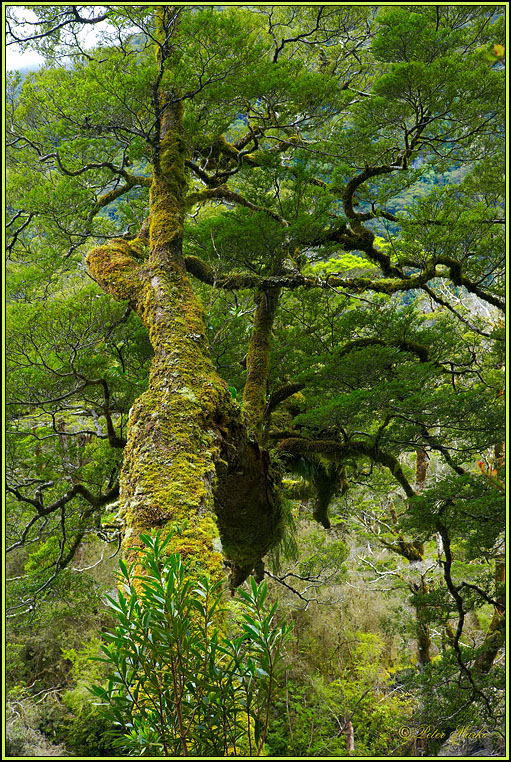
[258,360]
[233,281]
[225,159]
[281,394]
[206,274]
[328,480]
[339,451]
[223,193]
[321,479]
[115,193]
[413,347]
[412,551]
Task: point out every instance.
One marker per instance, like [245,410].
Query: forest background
[255,300]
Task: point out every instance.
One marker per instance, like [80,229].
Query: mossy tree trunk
[496,636]
[421,607]
[258,360]
[189,465]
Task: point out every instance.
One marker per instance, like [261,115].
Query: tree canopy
[255,255]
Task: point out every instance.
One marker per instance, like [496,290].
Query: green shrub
[177,687]
[85,730]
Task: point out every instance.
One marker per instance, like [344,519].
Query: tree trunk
[350,738]
[496,635]
[422,621]
[258,360]
[189,465]
[422,628]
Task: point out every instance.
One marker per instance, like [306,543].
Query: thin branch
[224,194]
[96,501]
[70,20]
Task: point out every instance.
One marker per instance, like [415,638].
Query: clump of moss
[115,268]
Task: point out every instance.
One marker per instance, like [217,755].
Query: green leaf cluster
[177,686]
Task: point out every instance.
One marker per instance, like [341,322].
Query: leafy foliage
[179,687]
[340,214]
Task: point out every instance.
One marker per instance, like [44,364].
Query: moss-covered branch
[412,551]
[328,481]
[458,277]
[412,347]
[234,281]
[340,452]
[115,268]
[237,281]
[280,395]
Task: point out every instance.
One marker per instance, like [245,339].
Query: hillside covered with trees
[255,383]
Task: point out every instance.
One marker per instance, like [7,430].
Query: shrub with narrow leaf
[177,686]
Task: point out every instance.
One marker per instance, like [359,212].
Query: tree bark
[189,465]
[350,738]
[422,622]
[496,635]
[258,360]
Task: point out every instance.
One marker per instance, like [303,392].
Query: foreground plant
[178,686]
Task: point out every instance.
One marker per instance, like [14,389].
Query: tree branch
[279,395]
[342,451]
[74,18]
[224,194]
[96,501]
[234,281]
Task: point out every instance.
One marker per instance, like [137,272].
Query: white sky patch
[16,59]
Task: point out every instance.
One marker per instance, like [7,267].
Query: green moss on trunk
[188,464]
[170,180]
[258,360]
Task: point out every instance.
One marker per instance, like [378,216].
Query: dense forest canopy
[255,278]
